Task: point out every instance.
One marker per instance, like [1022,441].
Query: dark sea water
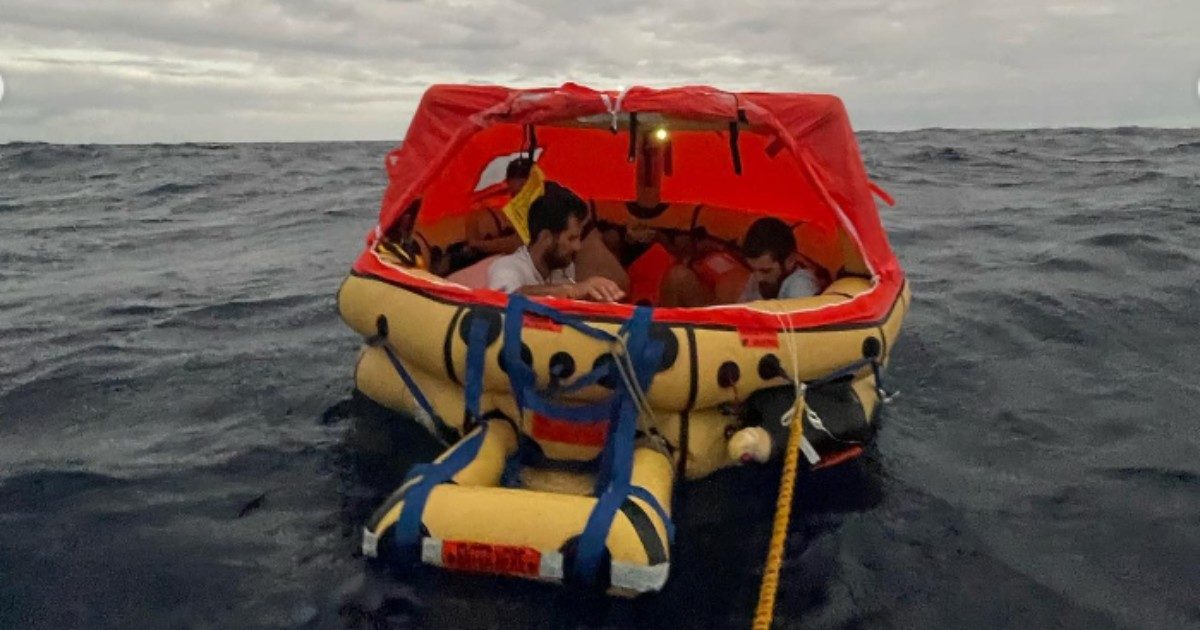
[180,447]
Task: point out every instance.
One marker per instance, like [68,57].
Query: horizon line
[5,143]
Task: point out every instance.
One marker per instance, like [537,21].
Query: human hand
[598,289]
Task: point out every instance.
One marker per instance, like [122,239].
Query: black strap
[531,142]
[633,127]
[684,430]
[734,150]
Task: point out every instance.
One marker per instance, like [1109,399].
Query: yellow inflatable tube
[692,398]
[440,347]
[474,525]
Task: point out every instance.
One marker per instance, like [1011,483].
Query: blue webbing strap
[519,374]
[511,475]
[645,355]
[524,380]
[593,539]
[587,380]
[613,485]
[417,394]
[608,456]
[408,379]
[407,530]
[616,460]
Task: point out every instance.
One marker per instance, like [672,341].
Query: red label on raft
[758,338]
[486,558]
[540,323]
[564,432]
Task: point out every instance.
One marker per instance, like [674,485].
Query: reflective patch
[488,558]
[431,551]
[637,578]
[370,544]
[552,566]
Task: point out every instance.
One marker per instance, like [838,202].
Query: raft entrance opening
[656,182]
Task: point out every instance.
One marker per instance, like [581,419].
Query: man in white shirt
[775,269]
[546,266]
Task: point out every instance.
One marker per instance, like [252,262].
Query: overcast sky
[240,70]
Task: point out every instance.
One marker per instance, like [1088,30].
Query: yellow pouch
[517,209]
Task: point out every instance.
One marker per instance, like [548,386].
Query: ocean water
[180,446]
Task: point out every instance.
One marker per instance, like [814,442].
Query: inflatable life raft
[568,423]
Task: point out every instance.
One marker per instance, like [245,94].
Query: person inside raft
[703,272]
[546,266]
[489,231]
[595,258]
[775,269]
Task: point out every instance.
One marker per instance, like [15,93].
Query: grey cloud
[114,70]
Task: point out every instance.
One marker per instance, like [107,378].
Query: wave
[936,154]
[1162,477]
[1121,240]
[31,491]
[41,156]
[1181,149]
[171,188]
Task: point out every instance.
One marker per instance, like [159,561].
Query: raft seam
[644,528]
[618,320]
[447,344]
[694,373]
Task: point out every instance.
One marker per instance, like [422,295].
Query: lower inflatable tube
[474,525]
[376,379]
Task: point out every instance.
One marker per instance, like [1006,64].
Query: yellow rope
[765,612]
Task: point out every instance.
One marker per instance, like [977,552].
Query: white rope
[810,453]
[614,109]
[785,323]
[629,377]
[621,97]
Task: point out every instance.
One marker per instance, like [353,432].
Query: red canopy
[799,154]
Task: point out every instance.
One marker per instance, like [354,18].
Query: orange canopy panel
[799,157]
